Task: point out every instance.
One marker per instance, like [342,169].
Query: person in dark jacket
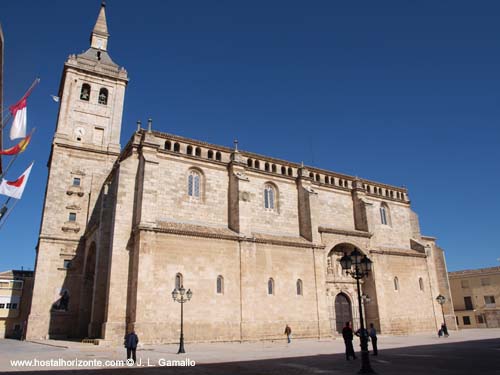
[131,341]
[444,329]
[372,332]
[288,333]
[348,337]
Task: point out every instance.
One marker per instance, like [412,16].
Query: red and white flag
[14,189]
[18,112]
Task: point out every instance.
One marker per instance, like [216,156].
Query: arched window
[250,163]
[179,281]
[197,152]
[290,171]
[317,177]
[421,284]
[299,287]
[103,96]
[194,181]
[396,283]
[257,164]
[210,154]
[327,180]
[269,197]
[270,287]
[273,168]
[384,214]
[266,167]
[283,170]
[177,147]
[218,156]
[220,285]
[85,93]
[189,150]
[311,175]
[168,145]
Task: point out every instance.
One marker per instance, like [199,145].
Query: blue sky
[401,92]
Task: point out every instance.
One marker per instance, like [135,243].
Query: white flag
[14,189]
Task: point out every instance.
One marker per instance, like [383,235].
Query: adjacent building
[257,239]
[476,297]
[16,289]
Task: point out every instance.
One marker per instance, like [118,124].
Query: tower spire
[99,36]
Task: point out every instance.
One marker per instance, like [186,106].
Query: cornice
[345,232]
[398,253]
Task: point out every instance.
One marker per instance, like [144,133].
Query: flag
[20,147]
[18,112]
[14,189]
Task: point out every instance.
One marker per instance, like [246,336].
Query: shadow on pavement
[469,357]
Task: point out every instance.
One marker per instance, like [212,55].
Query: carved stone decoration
[241,176]
[245,196]
[77,190]
[70,226]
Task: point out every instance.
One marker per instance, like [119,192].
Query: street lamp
[366,300]
[180,295]
[441,300]
[358,266]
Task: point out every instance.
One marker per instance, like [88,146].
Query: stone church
[256,239]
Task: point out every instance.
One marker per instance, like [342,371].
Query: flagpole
[8,213]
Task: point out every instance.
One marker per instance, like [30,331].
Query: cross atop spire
[99,36]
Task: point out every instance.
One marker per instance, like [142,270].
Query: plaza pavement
[464,352]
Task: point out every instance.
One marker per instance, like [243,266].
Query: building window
[72,216]
[250,163]
[189,150]
[299,287]
[194,184]
[468,303]
[489,301]
[197,151]
[168,145]
[179,281]
[480,319]
[464,284]
[485,282]
[177,147]
[218,156]
[466,321]
[220,285]
[396,283]
[270,287]
[7,306]
[103,96]
[210,154]
[67,264]
[13,306]
[17,284]
[2,305]
[421,284]
[256,164]
[269,197]
[85,93]
[384,214]
[76,181]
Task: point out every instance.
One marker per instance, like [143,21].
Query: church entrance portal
[343,311]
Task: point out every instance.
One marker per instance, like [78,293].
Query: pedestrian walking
[131,341]
[288,333]
[372,332]
[348,337]
[444,329]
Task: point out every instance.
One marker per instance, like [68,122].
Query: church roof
[97,55]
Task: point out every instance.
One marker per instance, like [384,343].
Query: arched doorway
[343,311]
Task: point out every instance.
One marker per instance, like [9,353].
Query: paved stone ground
[464,352]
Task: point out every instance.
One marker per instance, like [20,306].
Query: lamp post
[180,295]
[366,300]
[358,266]
[441,300]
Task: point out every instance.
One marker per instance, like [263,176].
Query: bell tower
[71,262]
